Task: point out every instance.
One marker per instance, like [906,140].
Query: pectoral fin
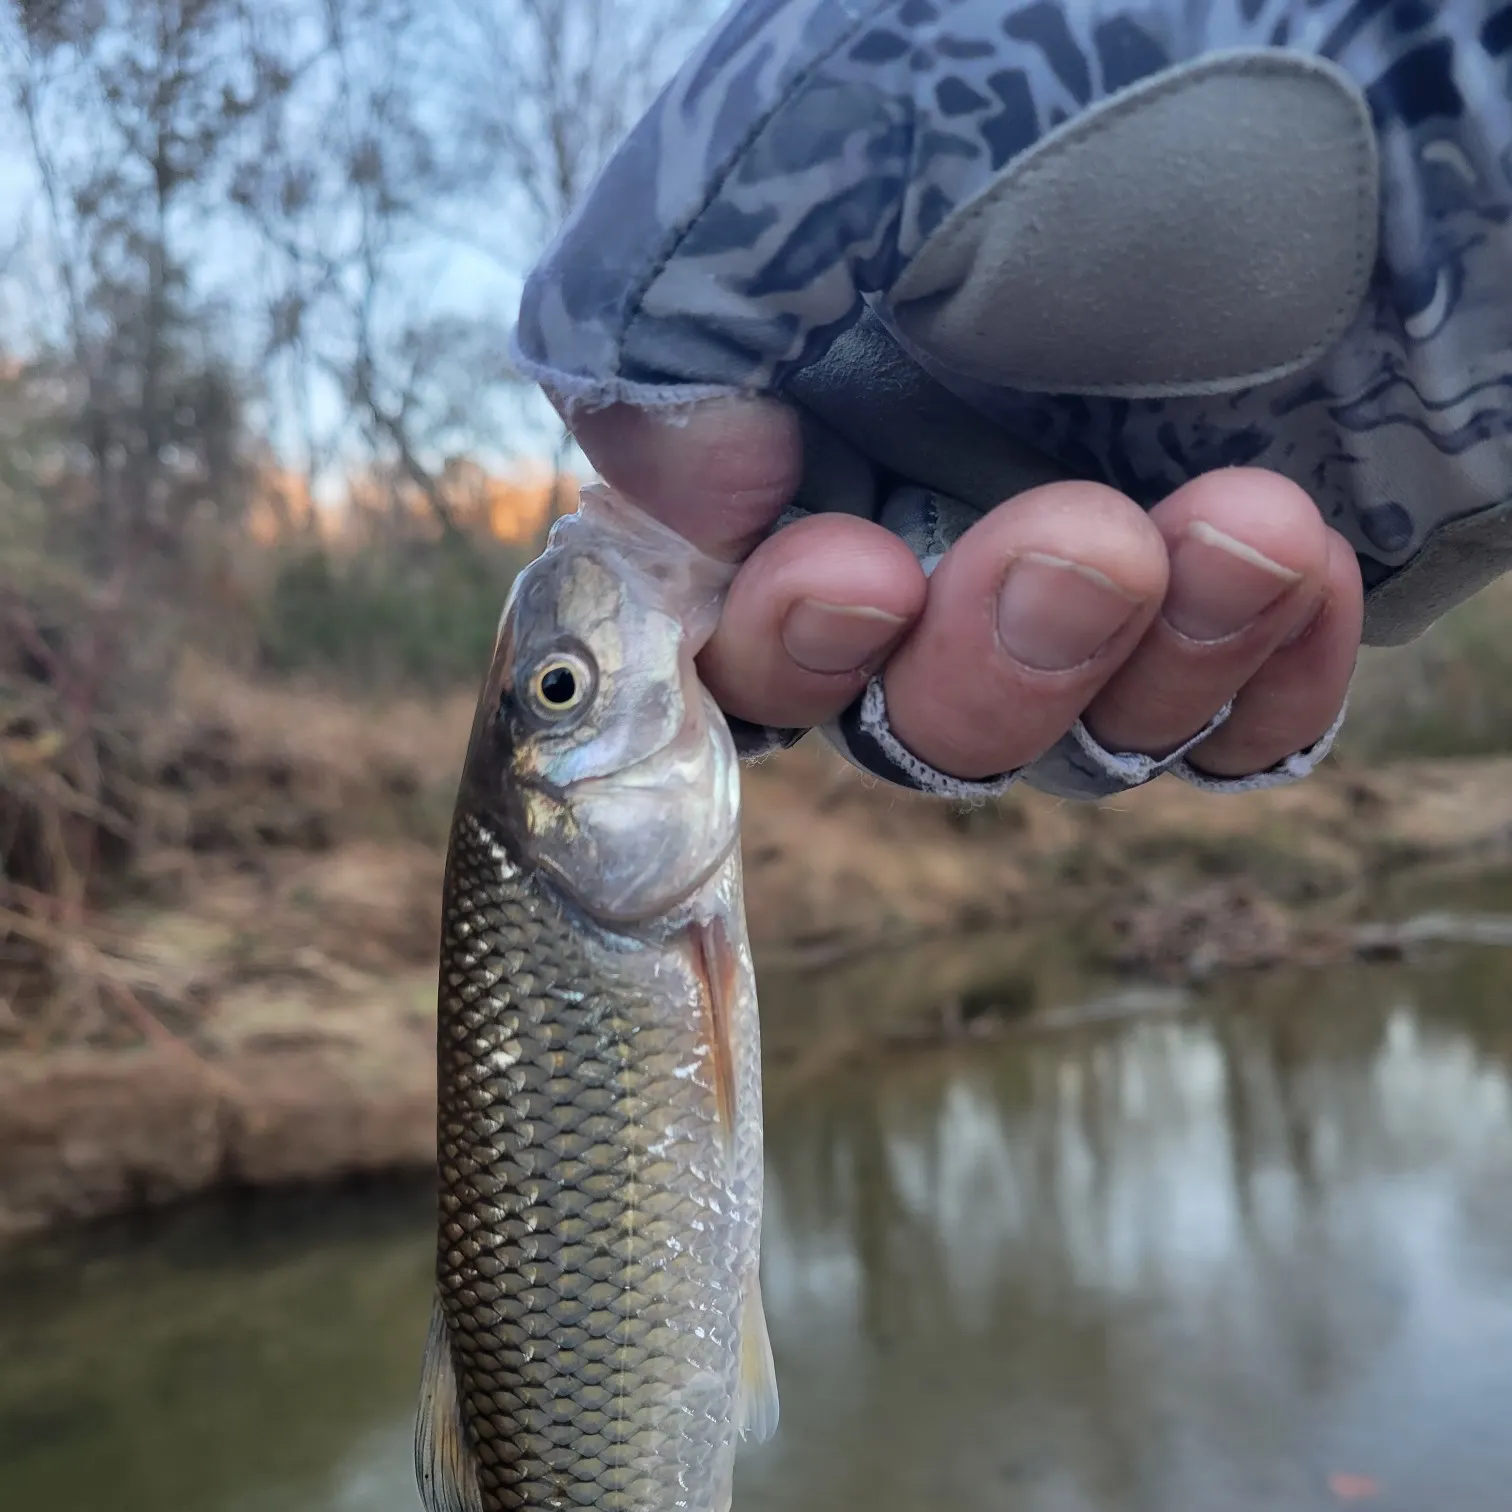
[717,969]
[444,1468]
[756,1405]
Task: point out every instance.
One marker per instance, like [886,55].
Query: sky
[444,275]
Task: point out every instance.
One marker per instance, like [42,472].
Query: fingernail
[834,638]
[1220,585]
[1053,614]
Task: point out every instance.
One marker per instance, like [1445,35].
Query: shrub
[422,616]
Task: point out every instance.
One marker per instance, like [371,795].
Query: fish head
[597,751]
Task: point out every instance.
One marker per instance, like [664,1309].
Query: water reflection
[1197,1264]
[1193,1264]
[257,1358]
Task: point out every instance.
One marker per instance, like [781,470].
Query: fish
[598,1338]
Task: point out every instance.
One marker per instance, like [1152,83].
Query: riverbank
[259,1012]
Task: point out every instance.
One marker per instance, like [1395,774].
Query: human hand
[1079,272]
[1066,602]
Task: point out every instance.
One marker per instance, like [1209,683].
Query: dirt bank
[261,1013]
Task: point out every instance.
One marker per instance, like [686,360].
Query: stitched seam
[875,721]
[1052,147]
[1112,112]
[579,392]
[1290,769]
[634,310]
[1134,768]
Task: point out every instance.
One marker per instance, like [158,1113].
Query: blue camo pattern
[807,150]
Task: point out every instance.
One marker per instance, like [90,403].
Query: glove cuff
[1076,767]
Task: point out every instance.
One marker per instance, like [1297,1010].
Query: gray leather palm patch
[1208,229]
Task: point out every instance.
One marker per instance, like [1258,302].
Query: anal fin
[756,1401]
[444,1469]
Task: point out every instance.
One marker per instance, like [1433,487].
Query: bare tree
[346,195]
[548,88]
[437,154]
[135,111]
[400,162]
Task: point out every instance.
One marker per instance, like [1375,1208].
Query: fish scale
[587,1234]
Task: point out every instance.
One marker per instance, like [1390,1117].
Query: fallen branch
[1392,940]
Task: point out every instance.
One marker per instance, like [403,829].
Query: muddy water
[1252,1257]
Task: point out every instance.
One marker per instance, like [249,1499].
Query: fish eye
[560,686]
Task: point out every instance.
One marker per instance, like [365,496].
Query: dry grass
[133,759]
[385,763]
[103,805]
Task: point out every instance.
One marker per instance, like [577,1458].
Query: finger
[1028,614]
[1249,558]
[1292,700]
[811,614]
[719,473]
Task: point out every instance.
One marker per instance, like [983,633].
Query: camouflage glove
[983,246]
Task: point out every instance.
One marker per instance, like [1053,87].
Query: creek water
[1248,1257]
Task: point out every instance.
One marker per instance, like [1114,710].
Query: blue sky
[441,274]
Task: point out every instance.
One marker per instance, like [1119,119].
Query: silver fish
[598,1338]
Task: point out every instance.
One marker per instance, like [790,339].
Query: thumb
[718,472]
